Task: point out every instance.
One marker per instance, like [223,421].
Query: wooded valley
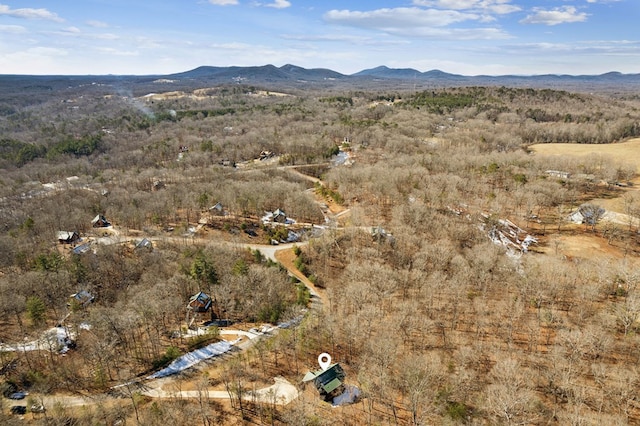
[435,245]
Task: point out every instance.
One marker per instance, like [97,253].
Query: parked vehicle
[37,408]
[18,395]
[19,409]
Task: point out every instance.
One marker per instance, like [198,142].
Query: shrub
[212,335]
[271,313]
[36,310]
[258,257]
[457,411]
[302,294]
[170,354]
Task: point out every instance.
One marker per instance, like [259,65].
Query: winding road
[281,392]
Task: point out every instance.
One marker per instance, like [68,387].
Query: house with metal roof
[329,382]
[80,299]
[217,210]
[100,222]
[200,302]
[144,244]
[279,216]
[68,237]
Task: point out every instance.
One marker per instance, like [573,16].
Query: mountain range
[405,77]
[292,76]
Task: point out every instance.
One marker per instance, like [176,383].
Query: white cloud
[447,4]
[68,32]
[97,24]
[28,13]
[279,4]
[116,52]
[559,15]
[78,33]
[36,60]
[12,29]
[416,22]
[586,49]
[106,36]
[460,33]
[402,17]
[499,7]
[48,51]
[44,52]
[148,43]
[223,2]
[232,46]
[504,8]
[344,38]
[529,48]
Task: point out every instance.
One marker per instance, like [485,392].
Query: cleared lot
[625,152]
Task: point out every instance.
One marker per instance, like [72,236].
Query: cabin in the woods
[329,382]
[100,222]
[68,237]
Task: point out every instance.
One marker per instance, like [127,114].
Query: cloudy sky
[467,37]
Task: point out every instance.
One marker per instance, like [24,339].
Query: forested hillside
[445,270]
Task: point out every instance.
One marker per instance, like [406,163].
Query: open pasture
[627,152]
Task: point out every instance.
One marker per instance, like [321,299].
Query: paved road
[270,251]
[281,392]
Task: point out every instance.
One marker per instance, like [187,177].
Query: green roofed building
[328,382]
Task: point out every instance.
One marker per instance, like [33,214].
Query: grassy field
[626,152]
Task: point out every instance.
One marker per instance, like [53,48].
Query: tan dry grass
[264,93]
[625,152]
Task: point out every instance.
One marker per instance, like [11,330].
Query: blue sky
[467,37]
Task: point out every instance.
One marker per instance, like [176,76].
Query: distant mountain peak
[384,71]
[291,67]
[269,72]
[294,74]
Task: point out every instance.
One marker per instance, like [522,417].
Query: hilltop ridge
[298,77]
